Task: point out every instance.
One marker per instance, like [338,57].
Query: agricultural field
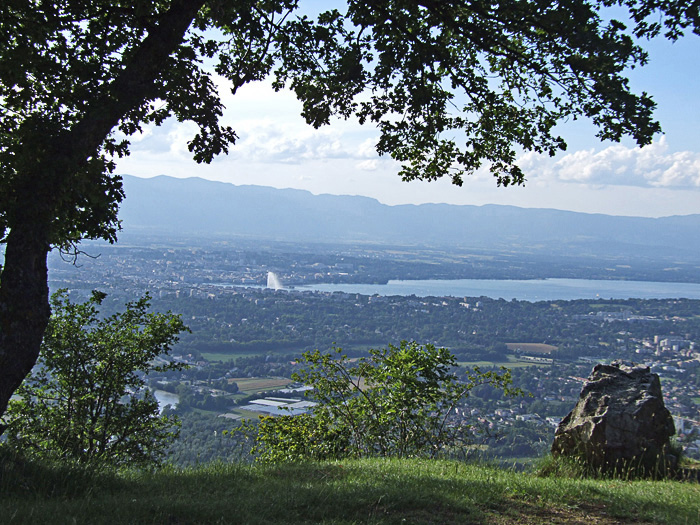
[253,385]
[287,353]
[535,348]
[512,362]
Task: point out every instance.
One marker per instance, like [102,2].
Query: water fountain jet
[273,281]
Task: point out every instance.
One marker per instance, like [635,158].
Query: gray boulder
[620,422]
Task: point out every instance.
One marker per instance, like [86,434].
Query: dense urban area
[247,333]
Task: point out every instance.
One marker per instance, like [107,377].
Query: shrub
[85,399]
[399,402]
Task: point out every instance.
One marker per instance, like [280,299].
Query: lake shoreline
[520,289]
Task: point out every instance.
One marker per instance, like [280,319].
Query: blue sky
[277,149]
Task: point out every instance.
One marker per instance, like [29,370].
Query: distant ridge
[195,206]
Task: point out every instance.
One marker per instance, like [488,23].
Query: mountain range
[197,207]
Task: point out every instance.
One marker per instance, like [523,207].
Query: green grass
[512,362]
[355,491]
[254,385]
[226,357]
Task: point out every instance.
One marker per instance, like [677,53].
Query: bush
[86,398]
[399,402]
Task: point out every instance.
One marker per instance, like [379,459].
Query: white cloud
[171,137]
[145,133]
[652,166]
[270,131]
[267,141]
[367,165]
[368,148]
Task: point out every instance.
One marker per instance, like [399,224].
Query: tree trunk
[24,291]
[24,305]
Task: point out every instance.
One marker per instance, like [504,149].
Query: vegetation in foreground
[371,398]
[397,402]
[379,490]
[85,401]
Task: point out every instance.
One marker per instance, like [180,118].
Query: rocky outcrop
[619,422]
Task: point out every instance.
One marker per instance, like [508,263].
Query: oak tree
[451,85]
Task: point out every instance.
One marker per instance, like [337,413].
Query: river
[166,398]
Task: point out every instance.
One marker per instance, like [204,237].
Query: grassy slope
[363,491]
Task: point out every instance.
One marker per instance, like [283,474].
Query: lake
[525,290]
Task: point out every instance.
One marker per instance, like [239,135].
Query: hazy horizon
[233,183]
[277,149]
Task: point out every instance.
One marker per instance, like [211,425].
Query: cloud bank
[653,166]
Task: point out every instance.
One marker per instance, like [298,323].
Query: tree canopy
[451,85]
